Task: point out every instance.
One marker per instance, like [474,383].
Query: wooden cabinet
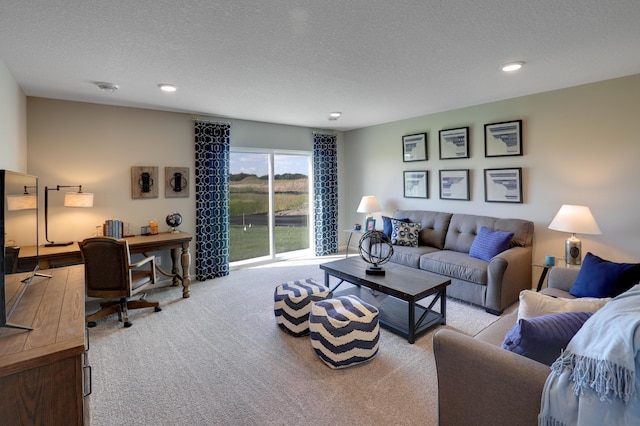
[44,375]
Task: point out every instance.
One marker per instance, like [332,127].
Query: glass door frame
[273,256]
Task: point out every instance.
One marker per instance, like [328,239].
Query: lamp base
[374,270]
[58,244]
[573,251]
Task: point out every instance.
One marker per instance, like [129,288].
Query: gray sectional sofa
[481,383]
[444,243]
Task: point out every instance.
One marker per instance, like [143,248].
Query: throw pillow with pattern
[405,234]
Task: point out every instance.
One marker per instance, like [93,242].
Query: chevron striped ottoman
[344,331]
[292,304]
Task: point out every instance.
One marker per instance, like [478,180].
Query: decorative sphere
[174,219]
[371,248]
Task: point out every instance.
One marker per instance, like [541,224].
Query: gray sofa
[444,243]
[479,383]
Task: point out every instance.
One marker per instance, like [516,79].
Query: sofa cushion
[602,278]
[387,227]
[455,265]
[433,225]
[543,338]
[404,234]
[408,256]
[534,304]
[489,243]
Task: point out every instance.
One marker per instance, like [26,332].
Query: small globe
[376,249]
[174,220]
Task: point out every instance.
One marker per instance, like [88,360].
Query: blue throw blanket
[594,381]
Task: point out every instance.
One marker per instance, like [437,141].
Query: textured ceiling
[293,62]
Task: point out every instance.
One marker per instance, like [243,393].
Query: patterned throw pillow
[405,234]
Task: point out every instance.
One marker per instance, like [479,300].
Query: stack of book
[113,228]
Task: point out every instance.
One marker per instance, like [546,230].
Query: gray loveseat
[444,243]
[482,384]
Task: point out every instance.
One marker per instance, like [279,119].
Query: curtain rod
[325,132]
[210,121]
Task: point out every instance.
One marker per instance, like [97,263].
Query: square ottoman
[344,331]
[292,304]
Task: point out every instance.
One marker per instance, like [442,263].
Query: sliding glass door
[269,203]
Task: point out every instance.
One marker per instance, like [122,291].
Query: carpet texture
[219,358]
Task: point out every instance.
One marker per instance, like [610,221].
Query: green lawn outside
[254,241]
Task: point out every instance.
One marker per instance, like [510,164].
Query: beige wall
[13,123]
[73,143]
[581,146]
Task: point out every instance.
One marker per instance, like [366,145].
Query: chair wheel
[127,324]
[157,308]
[92,324]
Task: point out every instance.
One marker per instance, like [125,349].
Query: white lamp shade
[368,204]
[575,219]
[22,202]
[78,199]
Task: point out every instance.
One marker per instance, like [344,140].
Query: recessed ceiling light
[334,115]
[167,87]
[106,87]
[512,66]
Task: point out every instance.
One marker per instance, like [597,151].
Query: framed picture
[370,225]
[415,184]
[503,139]
[454,143]
[176,182]
[454,184]
[503,185]
[414,147]
[144,182]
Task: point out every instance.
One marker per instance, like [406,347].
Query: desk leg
[175,255]
[185,259]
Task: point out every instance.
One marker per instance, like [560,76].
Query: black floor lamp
[71,199]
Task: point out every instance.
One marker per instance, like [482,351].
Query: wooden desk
[55,257]
[44,374]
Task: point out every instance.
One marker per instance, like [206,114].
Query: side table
[546,268]
[351,232]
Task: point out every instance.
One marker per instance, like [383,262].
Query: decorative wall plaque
[176,182]
[144,182]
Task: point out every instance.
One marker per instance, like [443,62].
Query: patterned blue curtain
[212,199]
[325,181]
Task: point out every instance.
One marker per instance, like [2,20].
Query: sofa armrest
[483,384]
[508,274]
[562,278]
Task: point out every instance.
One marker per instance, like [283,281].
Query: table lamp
[71,199]
[25,201]
[574,219]
[368,204]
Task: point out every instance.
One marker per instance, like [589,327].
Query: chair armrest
[562,278]
[144,261]
[483,384]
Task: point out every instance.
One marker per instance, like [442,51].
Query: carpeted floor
[218,358]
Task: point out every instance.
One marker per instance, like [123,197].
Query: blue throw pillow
[488,243]
[387,226]
[602,278]
[543,338]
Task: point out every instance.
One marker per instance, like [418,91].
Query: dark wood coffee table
[394,294]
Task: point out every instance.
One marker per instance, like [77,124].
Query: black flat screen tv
[18,227]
